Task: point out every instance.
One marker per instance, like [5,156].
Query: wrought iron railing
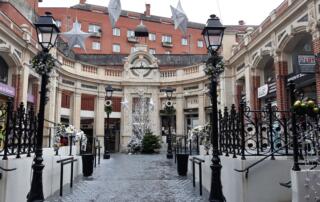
[266,132]
[18,130]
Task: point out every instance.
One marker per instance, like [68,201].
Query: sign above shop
[306,63]
[263,91]
[295,77]
[7,90]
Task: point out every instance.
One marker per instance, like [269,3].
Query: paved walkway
[133,178]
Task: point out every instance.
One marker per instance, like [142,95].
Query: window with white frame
[58,23]
[166,39]
[94,28]
[152,51]
[152,36]
[130,34]
[200,44]
[116,48]
[184,41]
[96,45]
[116,32]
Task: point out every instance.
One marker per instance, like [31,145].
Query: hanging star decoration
[114,9]
[125,103]
[179,18]
[75,36]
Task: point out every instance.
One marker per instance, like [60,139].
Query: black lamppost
[108,110]
[213,34]
[47,32]
[169,110]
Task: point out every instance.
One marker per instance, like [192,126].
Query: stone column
[201,105]
[24,81]
[99,113]
[179,111]
[248,86]
[281,68]
[58,105]
[76,109]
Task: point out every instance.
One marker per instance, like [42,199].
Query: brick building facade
[163,38]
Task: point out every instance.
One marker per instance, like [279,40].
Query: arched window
[3,71]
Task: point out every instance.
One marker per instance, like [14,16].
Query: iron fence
[18,130]
[267,132]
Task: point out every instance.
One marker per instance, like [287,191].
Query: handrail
[264,158]
[64,162]
[199,162]
[259,161]
[7,170]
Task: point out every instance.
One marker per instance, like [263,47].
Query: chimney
[83,1]
[241,22]
[147,12]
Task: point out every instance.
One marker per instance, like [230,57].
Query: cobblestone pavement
[133,178]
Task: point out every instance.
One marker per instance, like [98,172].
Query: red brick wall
[87,102]
[116,104]
[256,105]
[125,23]
[16,85]
[65,99]
[316,50]
[281,68]
[238,91]
[35,93]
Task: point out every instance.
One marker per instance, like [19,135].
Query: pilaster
[76,108]
[179,111]
[99,114]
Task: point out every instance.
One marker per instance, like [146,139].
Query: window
[94,28]
[96,45]
[130,34]
[184,41]
[116,48]
[58,23]
[167,52]
[3,71]
[166,39]
[152,51]
[152,36]
[116,32]
[200,44]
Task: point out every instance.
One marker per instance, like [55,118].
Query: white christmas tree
[140,121]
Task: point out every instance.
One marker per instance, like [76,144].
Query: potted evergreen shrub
[150,143]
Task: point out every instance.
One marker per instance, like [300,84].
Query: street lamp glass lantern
[47,31]
[109,91]
[213,33]
[169,92]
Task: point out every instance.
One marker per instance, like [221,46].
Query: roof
[176,60]
[124,13]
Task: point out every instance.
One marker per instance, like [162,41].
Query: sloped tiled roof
[173,60]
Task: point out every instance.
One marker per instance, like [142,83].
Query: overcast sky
[253,12]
